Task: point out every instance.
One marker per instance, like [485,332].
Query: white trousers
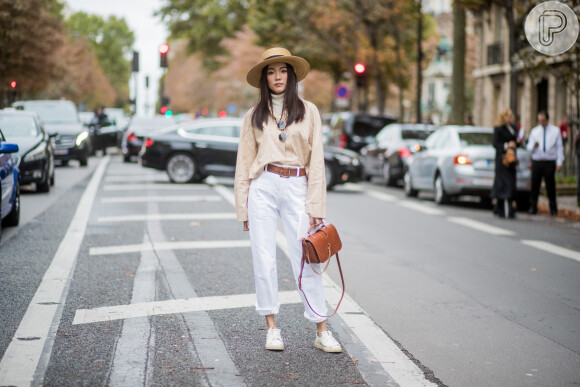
[271,196]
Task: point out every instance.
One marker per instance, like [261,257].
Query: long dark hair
[293,104]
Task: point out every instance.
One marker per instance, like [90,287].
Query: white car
[460,160]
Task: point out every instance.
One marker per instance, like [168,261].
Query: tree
[29,39]
[112,41]
[205,24]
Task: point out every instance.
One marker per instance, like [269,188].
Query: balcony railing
[494,53]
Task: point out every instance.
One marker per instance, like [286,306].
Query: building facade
[536,89]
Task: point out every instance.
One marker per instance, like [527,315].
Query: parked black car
[191,151]
[138,129]
[388,154]
[35,157]
[61,120]
[355,130]
[341,166]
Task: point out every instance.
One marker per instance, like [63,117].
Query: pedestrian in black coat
[504,183]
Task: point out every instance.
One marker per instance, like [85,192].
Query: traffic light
[163,110]
[13,84]
[361,74]
[163,50]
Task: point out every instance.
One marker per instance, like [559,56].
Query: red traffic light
[359,68]
[163,110]
[164,48]
[13,84]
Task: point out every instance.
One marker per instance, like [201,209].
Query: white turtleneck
[277,105]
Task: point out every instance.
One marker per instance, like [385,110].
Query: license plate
[61,151]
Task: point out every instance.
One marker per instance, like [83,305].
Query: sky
[149,34]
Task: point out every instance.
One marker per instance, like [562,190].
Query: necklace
[281,125]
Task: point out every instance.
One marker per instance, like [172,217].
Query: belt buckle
[284,172]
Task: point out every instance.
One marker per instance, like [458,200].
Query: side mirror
[53,135]
[6,147]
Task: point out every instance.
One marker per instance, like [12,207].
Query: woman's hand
[512,144]
[246,225]
[315,221]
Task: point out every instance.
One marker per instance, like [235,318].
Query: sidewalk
[567,206]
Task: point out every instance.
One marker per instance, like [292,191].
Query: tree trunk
[458,74]
[419,61]
[511,52]
[397,38]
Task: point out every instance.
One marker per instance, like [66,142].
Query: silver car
[460,160]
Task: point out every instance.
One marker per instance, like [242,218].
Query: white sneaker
[327,343]
[274,340]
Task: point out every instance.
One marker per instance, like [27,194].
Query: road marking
[147,217]
[553,249]
[22,357]
[385,351]
[156,308]
[480,226]
[420,207]
[380,195]
[132,363]
[226,194]
[159,246]
[145,199]
[153,186]
[133,178]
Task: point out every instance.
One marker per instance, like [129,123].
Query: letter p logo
[552,21]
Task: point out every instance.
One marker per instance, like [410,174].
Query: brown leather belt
[286,172]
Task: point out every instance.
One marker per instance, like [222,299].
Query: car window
[364,126]
[53,113]
[415,134]
[223,131]
[18,126]
[475,138]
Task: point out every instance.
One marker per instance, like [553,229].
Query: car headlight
[356,161]
[35,154]
[82,137]
[344,160]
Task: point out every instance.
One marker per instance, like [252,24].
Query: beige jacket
[303,147]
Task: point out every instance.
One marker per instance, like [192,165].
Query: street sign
[341,91]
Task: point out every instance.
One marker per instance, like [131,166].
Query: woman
[505,139]
[280,171]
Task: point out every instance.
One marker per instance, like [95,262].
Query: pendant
[281,124]
[282,136]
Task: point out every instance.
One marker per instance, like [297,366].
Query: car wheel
[84,160]
[13,217]
[329,174]
[387,178]
[440,196]
[181,168]
[44,186]
[409,191]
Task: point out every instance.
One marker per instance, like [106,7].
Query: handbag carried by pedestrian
[509,157]
[319,247]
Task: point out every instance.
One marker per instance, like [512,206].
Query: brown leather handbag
[509,157]
[318,248]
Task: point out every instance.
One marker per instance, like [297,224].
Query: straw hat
[277,55]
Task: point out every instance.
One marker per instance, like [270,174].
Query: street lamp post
[419,59]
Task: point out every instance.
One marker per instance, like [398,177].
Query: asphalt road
[436,295]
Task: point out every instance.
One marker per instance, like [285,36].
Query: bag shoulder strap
[306,298]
